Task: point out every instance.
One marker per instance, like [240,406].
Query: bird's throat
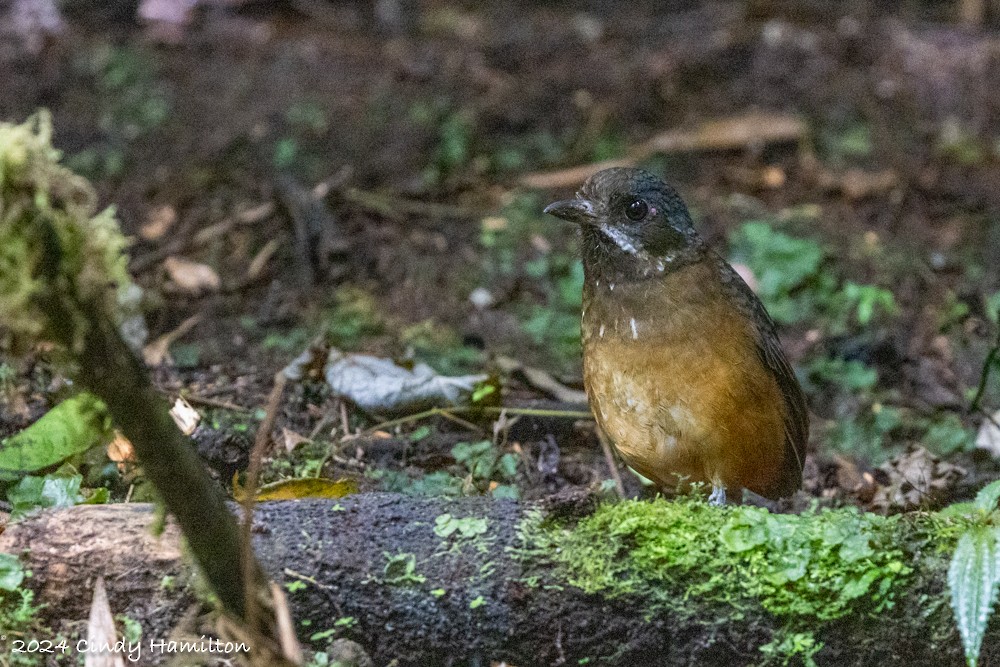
[611,257]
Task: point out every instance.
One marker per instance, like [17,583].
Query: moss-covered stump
[435,582]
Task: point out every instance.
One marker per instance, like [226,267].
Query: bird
[682,364]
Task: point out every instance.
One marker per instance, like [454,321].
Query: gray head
[631,220]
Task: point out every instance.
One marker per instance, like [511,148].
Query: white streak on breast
[668,444]
[681,415]
[635,329]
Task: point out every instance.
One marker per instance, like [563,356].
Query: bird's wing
[771,353]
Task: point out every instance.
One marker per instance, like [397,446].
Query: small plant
[992,361]
[790,645]
[484,464]
[852,142]
[974,575]
[796,285]
[947,435]
[847,375]
[453,147]
[440,347]
[353,317]
[788,269]
[437,483]
[401,570]
[447,525]
[520,245]
[18,612]
[133,104]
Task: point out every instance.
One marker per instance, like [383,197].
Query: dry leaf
[260,260]
[161,219]
[101,631]
[916,479]
[380,385]
[541,380]
[191,277]
[156,352]
[185,416]
[292,439]
[120,450]
[752,129]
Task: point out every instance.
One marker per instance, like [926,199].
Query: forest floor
[314,171]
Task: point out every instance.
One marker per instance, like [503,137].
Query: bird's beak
[575,210]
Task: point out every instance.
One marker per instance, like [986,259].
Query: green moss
[799,575]
[815,566]
[52,244]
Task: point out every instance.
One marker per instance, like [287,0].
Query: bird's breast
[674,379]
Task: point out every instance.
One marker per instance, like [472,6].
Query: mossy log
[467,582]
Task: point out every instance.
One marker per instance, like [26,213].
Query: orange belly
[683,393]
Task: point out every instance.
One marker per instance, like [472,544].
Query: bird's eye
[636,210]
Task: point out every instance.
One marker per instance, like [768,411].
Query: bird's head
[631,220]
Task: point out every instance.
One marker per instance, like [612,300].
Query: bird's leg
[718,496]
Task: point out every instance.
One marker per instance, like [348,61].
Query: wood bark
[374,563]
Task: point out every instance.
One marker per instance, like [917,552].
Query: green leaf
[401,570]
[948,435]
[325,634]
[469,527]
[855,588]
[11,572]
[420,434]
[99,496]
[988,496]
[855,547]
[508,466]
[959,509]
[993,307]
[506,492]
[72,427]
[781,263]
[34,493]
[973,577]
[482,392]
[867,298]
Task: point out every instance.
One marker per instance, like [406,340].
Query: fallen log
[437,582]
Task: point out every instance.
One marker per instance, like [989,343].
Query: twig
[461,422]
[489,410]
[720,134]
[541,380]
[260,445]
[155,353]
[251,216]
[214,403]
[396,208]
[320,425]
[991,357]
[609,458]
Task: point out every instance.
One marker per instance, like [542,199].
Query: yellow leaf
[307,487]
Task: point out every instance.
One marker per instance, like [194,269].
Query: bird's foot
[718,496]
